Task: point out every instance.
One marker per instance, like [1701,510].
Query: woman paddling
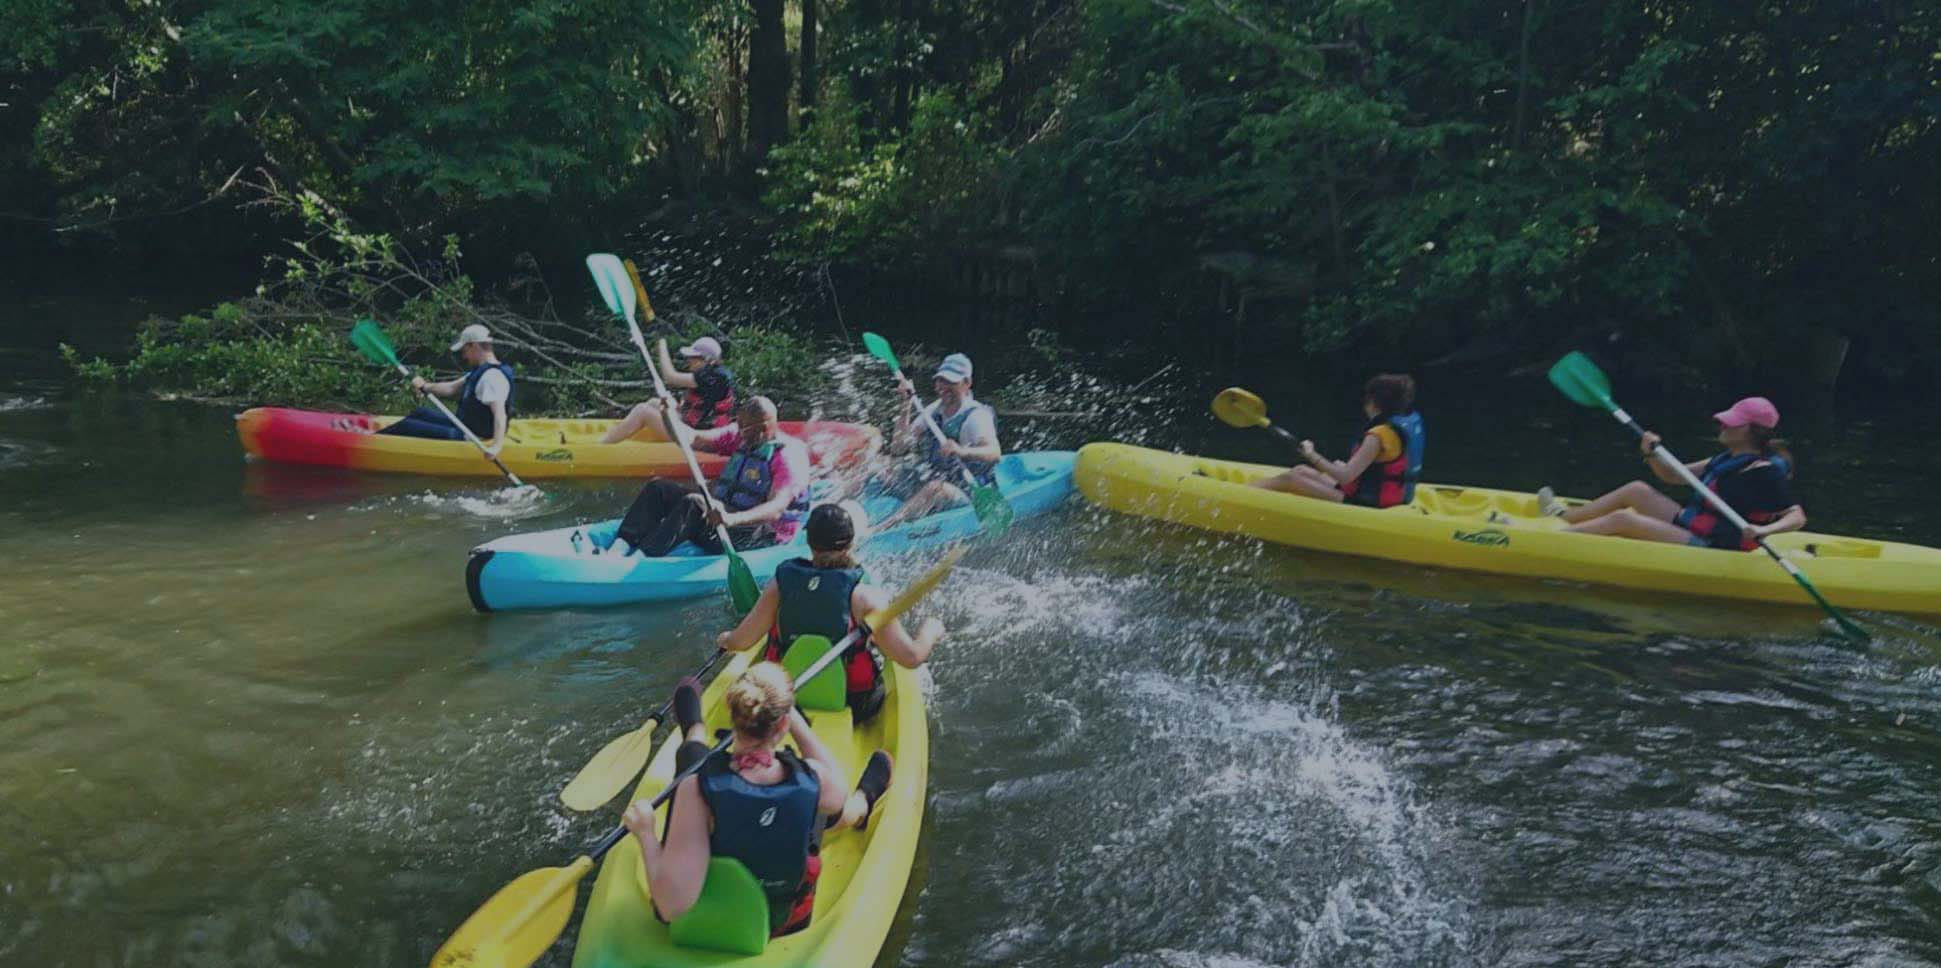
[707,404]
[1387,459]
[828,594]
[756,802]
[1753,476]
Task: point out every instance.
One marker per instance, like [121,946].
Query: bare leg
[1635,496]
[1302,480]
[1626,523]
[934,495]
[643,422]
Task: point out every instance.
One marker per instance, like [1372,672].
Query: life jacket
[1390,483]
[816,601]
[772,829]
[953,428]
[1700,519]
[702,414]
[475,415]
[749,480]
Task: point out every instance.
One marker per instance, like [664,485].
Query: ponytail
[760,700]
[1771,446]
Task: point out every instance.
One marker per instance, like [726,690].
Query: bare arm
[673,376]
[676,870]
[906,650]
[1793,520]
[1348,470]
[832,786]
[755,625]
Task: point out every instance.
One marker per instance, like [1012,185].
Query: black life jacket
[953,428]
[1700,519]
[475,415]
[703,414]
[1392,482]
[816,601]
[772,829]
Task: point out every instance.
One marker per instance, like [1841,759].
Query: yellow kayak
[863,873]
[1478,529]
[534,447]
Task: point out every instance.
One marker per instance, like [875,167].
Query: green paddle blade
[742,589]
[370,340]
[1240,408]
[610,275]
[992,510]
[1579,379]
[880,348]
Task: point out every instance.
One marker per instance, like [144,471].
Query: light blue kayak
[569,567]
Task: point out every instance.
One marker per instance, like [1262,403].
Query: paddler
[761,495]
[1753,475]
[709,400]
[1385,463]
[756,802]
[933,479]
[484,397]
[828,594]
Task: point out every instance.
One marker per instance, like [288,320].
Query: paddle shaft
[467,431]
[1711,497]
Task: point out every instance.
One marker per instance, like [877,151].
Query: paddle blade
[1580,380]
[610,770]
[611,279]
[916,590]
[880,348]
[1240,408]
[993,511]
[370,340]
[519,923]
[742,589]
[640,292]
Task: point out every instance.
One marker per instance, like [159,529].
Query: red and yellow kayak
[534,448]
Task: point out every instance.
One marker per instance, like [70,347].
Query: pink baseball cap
[1751,410]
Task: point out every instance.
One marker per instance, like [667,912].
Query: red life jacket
[1699,518]
[1391,482]
[702,414]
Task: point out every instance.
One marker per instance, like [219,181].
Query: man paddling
[484,397]
[934,479]
[761,495]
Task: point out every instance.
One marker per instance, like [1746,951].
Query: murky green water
[247,716]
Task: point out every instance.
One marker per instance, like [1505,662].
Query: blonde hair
[760,700]
[836,558]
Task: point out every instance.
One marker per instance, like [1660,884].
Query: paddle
[516,925]
[612,279]
[1580,380]
[371,341]
[622,759]
[987,502]
[1239,408]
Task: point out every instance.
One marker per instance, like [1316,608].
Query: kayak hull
[535,448]
[864,873]
[1451,527]
[550,569]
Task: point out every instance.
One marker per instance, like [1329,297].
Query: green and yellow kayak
[863,873]
[1478,529]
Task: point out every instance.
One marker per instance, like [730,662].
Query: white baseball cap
[472,334]
[707,348]
[956,368]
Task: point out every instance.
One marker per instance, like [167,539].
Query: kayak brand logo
[815,582]
[554,456]
[768,817]
[1488,538]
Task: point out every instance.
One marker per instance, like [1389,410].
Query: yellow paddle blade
[610,770]
[1240,408]
[519,923]
[916,590]
[640,292]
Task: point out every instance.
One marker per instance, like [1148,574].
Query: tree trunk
[806,95]
[904,93]
[731,123]
[768,81]
[1523,75]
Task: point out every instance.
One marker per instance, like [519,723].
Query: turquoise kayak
[570,567]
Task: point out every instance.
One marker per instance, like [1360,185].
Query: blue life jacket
[1698,517]
[816,601]
[1392,482]
[953,428]
[749,479]
[772,829]
[475,415]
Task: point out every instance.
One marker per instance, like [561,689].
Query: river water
[247,717]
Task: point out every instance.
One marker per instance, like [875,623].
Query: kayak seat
[731,915]
[828,690]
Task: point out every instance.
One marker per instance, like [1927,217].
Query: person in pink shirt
[762,495]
